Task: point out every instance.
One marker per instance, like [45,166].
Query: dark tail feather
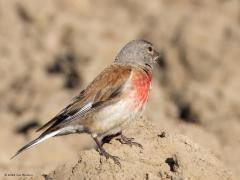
[35,142]
[46,125]
[27,146]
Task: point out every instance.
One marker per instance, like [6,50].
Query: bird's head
[138,52]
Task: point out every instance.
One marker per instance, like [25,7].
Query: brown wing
[106,86]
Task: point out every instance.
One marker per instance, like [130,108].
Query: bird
[110,102]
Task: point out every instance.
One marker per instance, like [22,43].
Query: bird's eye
[150,49]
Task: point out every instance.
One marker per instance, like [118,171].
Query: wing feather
[105,87]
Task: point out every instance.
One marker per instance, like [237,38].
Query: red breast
[141,83]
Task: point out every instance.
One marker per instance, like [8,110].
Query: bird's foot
[107,139]
[129,141]
[109,156]
[104,153]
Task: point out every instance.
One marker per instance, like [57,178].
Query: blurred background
[50,50]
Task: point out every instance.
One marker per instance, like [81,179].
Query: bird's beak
[156,56]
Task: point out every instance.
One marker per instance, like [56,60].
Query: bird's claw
[129,141]
[109,156]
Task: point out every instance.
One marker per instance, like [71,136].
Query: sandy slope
[163,157]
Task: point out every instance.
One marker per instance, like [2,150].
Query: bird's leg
[107,139]
[129,141]
[104,153]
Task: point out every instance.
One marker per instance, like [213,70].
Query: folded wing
[107,86]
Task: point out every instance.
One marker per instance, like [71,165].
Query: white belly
[114,118]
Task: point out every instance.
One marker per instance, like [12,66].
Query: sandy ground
[50,50]
[162,157]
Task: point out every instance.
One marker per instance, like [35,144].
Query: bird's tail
[40,139]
